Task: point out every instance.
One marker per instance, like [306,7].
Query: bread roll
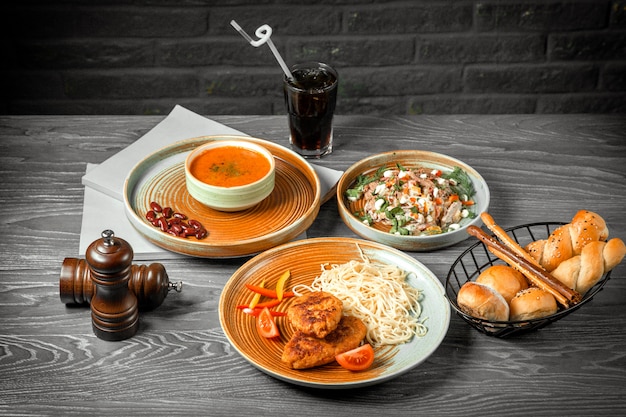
[587,226]
[504,279]
[582,272]
[483,302]
[568,240]
[567,272]
[554,250]
[532,303]
[613,253]
[591,266]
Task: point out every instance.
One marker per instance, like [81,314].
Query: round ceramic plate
[303,259]
[285,214]
[378,232]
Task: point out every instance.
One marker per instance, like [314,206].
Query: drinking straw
[263,33]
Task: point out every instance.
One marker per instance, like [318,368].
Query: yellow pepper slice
[280,285]
[257,296]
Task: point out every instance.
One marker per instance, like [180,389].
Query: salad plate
[474,198]
[304,260]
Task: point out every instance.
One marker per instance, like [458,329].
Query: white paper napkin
[101,212]
[103,206]
[180,124]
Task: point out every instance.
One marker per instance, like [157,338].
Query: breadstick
[506,239]
[560,298]
[538,276]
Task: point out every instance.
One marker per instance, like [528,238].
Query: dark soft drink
[310,100]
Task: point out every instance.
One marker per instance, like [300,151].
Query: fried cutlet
[315,314]
[303,351]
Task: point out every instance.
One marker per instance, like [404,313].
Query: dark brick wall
[393,57]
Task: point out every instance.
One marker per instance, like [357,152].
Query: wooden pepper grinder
[149,283]
[114,310]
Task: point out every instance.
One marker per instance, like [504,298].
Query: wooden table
[538,167]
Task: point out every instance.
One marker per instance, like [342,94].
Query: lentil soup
[229,166]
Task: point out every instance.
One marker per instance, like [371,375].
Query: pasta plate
[304,259]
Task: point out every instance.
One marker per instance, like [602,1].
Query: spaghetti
[376,293]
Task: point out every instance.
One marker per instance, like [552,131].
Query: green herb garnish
[463,186]
[361,181]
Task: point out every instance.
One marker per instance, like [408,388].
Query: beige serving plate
[379,232]
[285,214]
[304,258]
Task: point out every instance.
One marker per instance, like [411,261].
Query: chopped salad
[417,202]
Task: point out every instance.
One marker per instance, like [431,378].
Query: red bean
[163,224]
[201,233]
[174,222]
[195,224]
[156,207]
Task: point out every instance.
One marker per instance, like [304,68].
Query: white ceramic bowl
[236,197]
[410,159]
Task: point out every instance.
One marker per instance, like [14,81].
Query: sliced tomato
[265,324]
[358,359]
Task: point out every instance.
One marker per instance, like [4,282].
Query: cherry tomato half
[265,324]
[358,359]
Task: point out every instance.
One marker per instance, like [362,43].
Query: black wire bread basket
[477,258]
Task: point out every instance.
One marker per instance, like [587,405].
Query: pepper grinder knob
[114,308]
[107,237]
[176,286]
